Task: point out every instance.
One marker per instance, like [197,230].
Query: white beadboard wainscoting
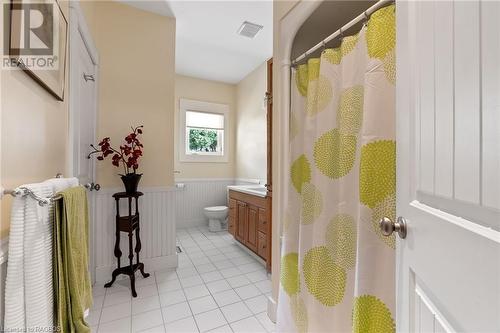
[195,194]
[157,222]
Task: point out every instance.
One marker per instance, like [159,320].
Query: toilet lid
[216,208]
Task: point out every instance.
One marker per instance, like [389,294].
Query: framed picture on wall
[37,42]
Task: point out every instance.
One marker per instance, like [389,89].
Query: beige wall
[251,126]
[206,91]
[137,73]
[34,132]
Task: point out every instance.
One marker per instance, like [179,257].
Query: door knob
[387,227]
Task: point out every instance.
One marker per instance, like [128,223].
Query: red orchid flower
[128,154]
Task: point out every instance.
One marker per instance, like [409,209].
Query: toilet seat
[215,208]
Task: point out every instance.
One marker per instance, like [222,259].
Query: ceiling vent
[249,29]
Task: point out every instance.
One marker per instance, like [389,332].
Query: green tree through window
[202,140]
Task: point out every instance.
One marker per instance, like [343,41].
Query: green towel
[73,292]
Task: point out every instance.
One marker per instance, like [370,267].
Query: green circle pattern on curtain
[319,89]
[302,79]
[322,93]
[341,240]
[371,315]
[381,32]
[334,56]
[289,275]
[350,110]
[313,69]
[325,280]
[377,172]
[334,153]
[312,203]
[300,172]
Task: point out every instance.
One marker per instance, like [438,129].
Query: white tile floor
[217,287]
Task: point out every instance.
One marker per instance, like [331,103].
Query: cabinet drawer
[262,245]
[263,225]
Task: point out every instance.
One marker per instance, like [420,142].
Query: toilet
[216,217]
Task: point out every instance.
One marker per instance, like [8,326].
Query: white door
[83,78]
[448,125]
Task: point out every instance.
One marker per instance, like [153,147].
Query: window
[202,136]
[204,133]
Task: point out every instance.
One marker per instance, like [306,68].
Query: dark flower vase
[131,182]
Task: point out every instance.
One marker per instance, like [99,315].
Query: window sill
[203,159]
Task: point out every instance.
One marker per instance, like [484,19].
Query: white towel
[60,184]
[29,301]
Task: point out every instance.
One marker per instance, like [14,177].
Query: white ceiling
[155,6]
[207,45]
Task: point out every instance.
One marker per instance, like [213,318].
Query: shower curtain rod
[363,16]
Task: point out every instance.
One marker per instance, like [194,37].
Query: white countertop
[257,190]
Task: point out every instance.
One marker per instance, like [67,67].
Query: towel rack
[24,191]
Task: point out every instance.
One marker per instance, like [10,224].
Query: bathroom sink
[258,190]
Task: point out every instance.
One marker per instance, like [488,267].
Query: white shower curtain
[29,295]
[337,270]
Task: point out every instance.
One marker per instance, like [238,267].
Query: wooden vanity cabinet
[249,217]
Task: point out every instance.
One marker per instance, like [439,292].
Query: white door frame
[78,27]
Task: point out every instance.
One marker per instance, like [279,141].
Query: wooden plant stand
[128,224]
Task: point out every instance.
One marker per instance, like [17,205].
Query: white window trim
[200,106]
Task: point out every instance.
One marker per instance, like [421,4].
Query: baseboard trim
[251,253]
[103,273]
[186,224]
[272,307]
